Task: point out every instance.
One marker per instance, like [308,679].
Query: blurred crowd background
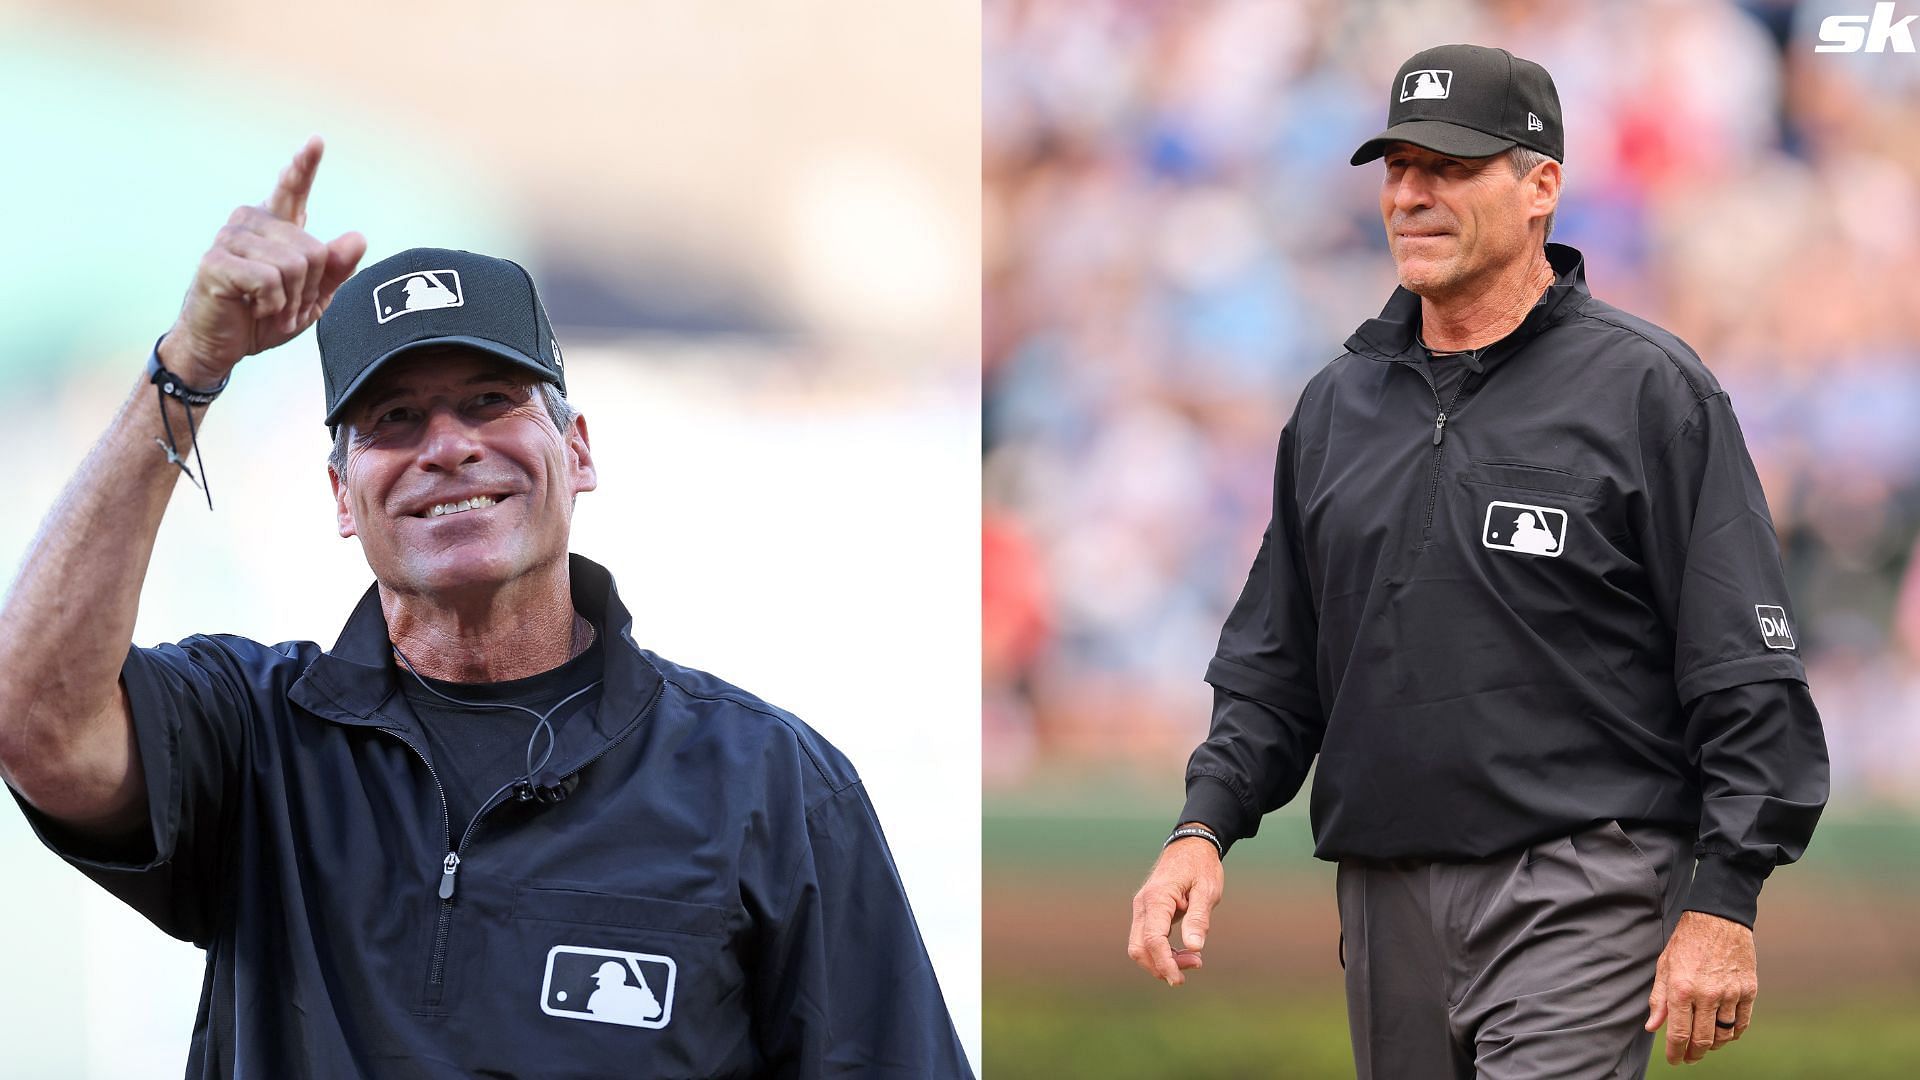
[755,227]
[1174,243]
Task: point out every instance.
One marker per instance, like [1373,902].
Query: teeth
[443,509]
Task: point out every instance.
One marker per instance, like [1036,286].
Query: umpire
[485,834]
[1521,598]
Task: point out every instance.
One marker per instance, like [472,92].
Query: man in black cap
[1522,601]
[419,853]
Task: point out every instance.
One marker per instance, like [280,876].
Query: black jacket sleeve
[1763,774]
[190,715]
[1267,715]
[1753,735]
[845,987]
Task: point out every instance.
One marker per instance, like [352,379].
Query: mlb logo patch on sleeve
[607,986]
[1523,528]
[1773,626]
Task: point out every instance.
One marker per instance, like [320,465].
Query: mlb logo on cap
[1430,83]
[421,291]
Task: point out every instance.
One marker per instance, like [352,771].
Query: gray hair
[1522,161]
[559,410]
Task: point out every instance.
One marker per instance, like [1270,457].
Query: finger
[1700,1037]
[1657,1001]
[1187,959]
[1725,1022]
[289,199]
[1679,1029]
[234,276]
[289,259]
[343,254]
[1198,919]
[1743,1016]
[316,253]
[1152,919]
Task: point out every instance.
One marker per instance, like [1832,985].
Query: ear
[1546,189]
[342,509]
[580,457]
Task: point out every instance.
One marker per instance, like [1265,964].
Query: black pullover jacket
[1551,600]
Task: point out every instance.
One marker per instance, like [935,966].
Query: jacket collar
[1394,334]
[355,682]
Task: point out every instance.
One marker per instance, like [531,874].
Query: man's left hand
[1706,973]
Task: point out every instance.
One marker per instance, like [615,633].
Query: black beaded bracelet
[1201,831]
[172,386]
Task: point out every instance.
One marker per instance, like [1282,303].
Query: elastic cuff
[1213,804]
[1727,888]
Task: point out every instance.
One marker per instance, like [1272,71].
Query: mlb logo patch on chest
[1524,529]
[607,986]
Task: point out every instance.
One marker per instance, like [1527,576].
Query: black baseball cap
[1470,101]
[433,296]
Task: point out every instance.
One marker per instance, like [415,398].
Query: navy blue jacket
[702,889]
[1553,599]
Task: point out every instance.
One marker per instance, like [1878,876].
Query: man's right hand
[1186,883]
[264,281]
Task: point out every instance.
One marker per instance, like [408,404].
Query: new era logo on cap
[421,291]
[1431,84]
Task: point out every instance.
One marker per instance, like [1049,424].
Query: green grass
[1146,1036]
[1836,942]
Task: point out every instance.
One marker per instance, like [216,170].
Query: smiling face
[1455,223]
[456,478]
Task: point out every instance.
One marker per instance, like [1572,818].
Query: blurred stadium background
[755,228]
[1173,243]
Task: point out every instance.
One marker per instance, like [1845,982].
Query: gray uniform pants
[1536,963]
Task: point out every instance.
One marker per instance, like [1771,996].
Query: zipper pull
[449,870]
[1439,427]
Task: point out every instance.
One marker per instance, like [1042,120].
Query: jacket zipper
[449,871]
[1439,448]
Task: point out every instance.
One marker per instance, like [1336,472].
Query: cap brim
[1437,136]
[494,348]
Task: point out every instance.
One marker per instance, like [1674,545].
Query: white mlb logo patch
[421,290]
[1432,84]
[1773,626]
[608,986]
[1524,528]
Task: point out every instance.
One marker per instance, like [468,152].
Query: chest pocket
[1539,510]
[621,984]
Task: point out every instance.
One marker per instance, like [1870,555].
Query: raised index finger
[289,199]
